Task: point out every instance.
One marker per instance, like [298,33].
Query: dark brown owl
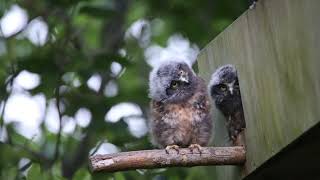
[180,107]
[225,91]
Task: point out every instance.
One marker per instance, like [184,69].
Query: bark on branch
[148,159]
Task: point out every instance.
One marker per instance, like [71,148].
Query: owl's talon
[195,146]
[233,138]
[175,147]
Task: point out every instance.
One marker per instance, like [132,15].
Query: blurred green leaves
[97,11]
[35,172]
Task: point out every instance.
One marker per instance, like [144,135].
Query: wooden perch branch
[148,159]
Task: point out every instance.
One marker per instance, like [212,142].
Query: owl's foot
[174,147]
[233,138]
[195,146]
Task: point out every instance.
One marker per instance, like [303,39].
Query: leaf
[56,172]
[103,60]
[8,173]
[97,11]
[119,176]
[35,172]
[82,174]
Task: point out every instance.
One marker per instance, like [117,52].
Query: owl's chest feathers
[185,115]
[179,115]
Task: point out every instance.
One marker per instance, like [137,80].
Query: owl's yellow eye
[174,85]
[223,88]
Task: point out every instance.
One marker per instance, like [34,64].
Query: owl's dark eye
[223,87]
[174,84]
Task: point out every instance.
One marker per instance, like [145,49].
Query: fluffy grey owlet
[180,108]
[225,91]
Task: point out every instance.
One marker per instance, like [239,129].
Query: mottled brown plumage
[183,122]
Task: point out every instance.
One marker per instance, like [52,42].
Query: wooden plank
[276,49]
[299,160]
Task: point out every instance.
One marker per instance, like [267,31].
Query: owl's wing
[201,99]
[157,109]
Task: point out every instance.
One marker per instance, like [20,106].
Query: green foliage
[85,37]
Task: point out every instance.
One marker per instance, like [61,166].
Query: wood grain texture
[276,50]
[147,159]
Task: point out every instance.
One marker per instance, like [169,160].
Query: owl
[224,90]
[180,108]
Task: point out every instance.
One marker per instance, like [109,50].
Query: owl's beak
[184,78]
[231,90]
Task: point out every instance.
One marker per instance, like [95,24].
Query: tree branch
[56,153]
[148,159]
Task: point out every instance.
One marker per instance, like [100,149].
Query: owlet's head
[224,85]
[172,82]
